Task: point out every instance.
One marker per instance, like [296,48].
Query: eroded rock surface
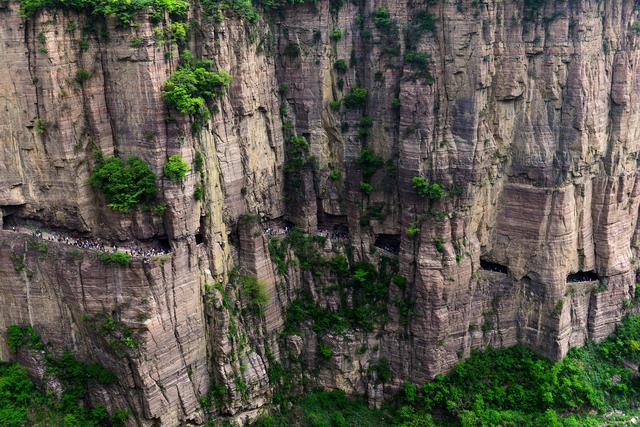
[527,117]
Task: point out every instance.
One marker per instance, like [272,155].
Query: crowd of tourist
[91,243]
[284,229]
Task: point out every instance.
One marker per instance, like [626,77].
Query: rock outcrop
[524,113]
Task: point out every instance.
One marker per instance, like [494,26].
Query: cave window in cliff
[388,242]
[493,266]
[583,276]
[9,220]
[199,238]
[328,221]
[164,244]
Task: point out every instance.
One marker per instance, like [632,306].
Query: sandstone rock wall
[527,117]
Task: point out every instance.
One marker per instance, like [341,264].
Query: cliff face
[526,115]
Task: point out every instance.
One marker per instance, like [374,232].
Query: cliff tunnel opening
[329,221]
[493,266]
[583,276]
[341,231]
[335,226]
[199,234]
[164,244]
[388,242]
[7,216]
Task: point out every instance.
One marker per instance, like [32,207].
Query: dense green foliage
[497,387]
[341,66]
[23,337]
[245,9]
[193,85]
[424,188]
[124,184]
[356,98]
[327,408]
[117,257]
[176,169]
[22,404]
[382,18]
[123,10]
[292,50]
[413,230]
[369,162]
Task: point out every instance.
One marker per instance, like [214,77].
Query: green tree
[176,169]
[124,184]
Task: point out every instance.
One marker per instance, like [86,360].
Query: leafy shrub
[369,162]
[176,169]
[382,18]
[356,98]
[198,162]
[124,184]
[82,75]
[334,105]
[424,188]
[178,30]
[23,336]
[336,34]
[292,50]
[198,193]
[335,175]
[120,258]
[40,126]
[366,188]
[557,309]
[193,85]
[413,230]
[325,351]
[424,21]
[365,125]
[341,66]
[382,370]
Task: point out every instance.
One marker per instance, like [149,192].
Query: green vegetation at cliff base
[23,404]
[595,385]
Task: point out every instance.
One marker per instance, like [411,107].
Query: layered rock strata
[525,115]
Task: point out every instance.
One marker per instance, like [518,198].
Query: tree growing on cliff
[424,188]
[124,184]
[356,98]
[193,85]
[176,169]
